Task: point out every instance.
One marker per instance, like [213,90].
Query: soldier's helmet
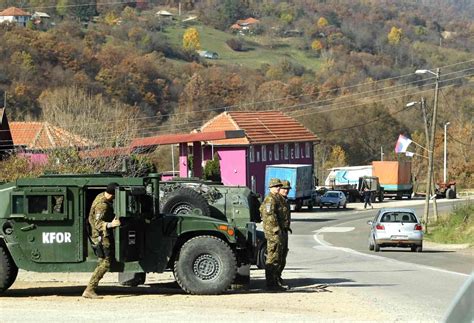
[275,182]
[285,184]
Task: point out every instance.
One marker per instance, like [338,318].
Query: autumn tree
[191,39]
[322,22]
[395,35]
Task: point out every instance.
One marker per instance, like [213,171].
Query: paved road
[332,244]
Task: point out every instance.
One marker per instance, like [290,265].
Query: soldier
[101,220]
[286,222]
[272,226]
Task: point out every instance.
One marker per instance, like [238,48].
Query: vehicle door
[44,221]
[132,207]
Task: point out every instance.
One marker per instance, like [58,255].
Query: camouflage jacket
[100,214]
[286,212]
[271,214]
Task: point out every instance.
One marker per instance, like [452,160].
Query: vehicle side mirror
[369,222]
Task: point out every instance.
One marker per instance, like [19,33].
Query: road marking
[335,229]
[328,246]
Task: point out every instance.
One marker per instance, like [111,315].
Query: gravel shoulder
[56,297]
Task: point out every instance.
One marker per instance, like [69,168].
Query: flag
[409,154]
[402,144]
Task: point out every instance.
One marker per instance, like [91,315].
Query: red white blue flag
[402,144]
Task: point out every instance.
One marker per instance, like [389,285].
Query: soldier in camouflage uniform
[272,226]
[286,222]
[101,220]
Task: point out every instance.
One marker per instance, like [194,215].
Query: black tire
[262,255]
[381,197]
[345,205]
[8,269]
[206,266]
[371,247]
[310,206]
[376,247]
[320,206]
[131,279]
[338,205]
[413,248]
[183,201]
[298,205]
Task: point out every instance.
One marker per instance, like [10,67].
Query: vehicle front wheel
[338,205]
[8,269]
[345,205]
[206,265]
[262,256]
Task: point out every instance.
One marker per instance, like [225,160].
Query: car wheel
[262,256]
[321,206]
[184,201]
[310,206]
[419,249]
[338,205]
[345,205]
[376,247]
[8,269]
[206,265]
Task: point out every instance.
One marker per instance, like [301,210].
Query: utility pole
[431,145]
[381,153]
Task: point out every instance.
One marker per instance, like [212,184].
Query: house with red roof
[271,137]
[15,15]
[244,25]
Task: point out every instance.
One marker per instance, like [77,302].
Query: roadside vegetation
[455,227]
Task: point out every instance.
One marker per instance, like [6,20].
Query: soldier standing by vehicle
[286,211]
[272,225]
[101,220]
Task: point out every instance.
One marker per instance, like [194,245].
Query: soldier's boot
[90,293]
[281,283]
[272,280]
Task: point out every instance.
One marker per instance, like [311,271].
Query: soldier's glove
[115,223]
[290,231]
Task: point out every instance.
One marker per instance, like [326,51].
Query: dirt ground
[56,297]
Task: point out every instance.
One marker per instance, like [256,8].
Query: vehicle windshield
[331,194]
[395,217]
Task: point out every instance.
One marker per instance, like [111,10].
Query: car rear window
[332,194]
[398,217]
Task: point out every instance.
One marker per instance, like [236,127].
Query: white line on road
[335,229]
[327,246]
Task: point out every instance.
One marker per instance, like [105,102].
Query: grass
[456,227]
[215,40]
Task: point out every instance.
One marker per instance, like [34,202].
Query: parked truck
[395,177]
[44,228]
[301,177]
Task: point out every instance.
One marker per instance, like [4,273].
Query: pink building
[271,137]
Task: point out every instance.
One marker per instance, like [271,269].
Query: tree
[322,22]
[317,45]
[395,35]
[337,157]
[212,169]
[191,39]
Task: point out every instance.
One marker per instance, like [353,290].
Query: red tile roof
[260,127]
[42,135]
[218,134]
[249,21]
[13,11]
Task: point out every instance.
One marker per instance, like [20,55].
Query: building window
[270,155]
[258,156]
[264,152]
[276,149]
[307,148]
[297,150]
[251,154]
[286,151]
[292,153]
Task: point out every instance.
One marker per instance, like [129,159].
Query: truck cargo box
[300,177]
[394,176]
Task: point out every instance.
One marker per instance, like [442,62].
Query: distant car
[333,198]
[396,227]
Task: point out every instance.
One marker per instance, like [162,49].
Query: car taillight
[418,227]
[379,227]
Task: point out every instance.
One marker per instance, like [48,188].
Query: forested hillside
[345,69]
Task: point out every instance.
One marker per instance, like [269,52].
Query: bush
[236,44]
[212,170]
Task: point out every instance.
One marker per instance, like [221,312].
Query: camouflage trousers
[284,253]
[274,255]
[102,267]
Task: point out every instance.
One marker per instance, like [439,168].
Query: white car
[333,198]
[396,227]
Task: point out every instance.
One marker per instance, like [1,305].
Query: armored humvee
[44,228]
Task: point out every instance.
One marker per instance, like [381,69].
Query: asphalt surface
[332,245]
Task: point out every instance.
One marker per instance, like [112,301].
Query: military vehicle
[44,228]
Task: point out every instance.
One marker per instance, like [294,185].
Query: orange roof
[42,135]
[249,21]
[260,127]
[13,11]
[235,26]
[186,137]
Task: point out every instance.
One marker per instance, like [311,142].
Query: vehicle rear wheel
[262,256]
[184,200]
[310,206]
[8,269]
[206,265]
[419,248]
[371,246]
[376,247]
